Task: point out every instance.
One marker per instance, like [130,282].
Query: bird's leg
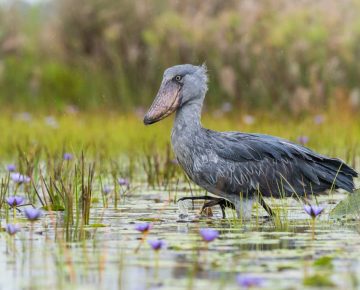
[192,198]
[222,202]
[266,207]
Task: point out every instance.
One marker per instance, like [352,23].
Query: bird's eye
[178,78]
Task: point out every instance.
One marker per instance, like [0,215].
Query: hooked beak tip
[148,121]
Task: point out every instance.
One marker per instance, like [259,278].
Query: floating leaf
[324,262]
[97,226]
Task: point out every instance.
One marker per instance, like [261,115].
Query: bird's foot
[222,202]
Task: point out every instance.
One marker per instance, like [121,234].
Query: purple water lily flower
[303,139]
[19,178]
[226,107]
[33,214]
[11,167]
[248,281]
[14,201]
[249,120]
[12,229]
[143,227]
[123,181]
[51,121]
[68,156]
[313,210]
[319,119]
[107,189]
[24,116]
[209,235]
[157,245]
[174,161]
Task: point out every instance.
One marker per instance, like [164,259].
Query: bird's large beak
[165,103]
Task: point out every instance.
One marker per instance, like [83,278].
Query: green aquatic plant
[4,187]
[318,280]
[87,177]
[348,207]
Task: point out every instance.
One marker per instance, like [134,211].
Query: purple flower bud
[313,210]
[123,181]
[143,227]
[11,167]
[33,214]
[209,235]
[248,281]
[303,140]
[157,245]
[68,156]
[12,229]
[19,178]
[14,201]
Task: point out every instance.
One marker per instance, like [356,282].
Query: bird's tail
[338,173]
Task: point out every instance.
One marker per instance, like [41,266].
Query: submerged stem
[313,227]
[143,238]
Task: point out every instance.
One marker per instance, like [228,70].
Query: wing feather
[270,163]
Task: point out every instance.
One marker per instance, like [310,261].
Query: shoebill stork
[238,167]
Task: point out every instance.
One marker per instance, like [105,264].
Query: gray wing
[274,166]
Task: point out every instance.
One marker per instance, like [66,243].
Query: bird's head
[181,85]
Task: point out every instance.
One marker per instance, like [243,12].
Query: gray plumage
[234,164]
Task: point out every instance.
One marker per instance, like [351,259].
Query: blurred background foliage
[290,56]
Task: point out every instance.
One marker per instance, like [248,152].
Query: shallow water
[104,258]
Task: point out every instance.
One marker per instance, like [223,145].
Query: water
[104,258]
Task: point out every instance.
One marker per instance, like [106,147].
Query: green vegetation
[111,54]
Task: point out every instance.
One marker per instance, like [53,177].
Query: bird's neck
[188,117]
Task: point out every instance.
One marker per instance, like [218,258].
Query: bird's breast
[196,157]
